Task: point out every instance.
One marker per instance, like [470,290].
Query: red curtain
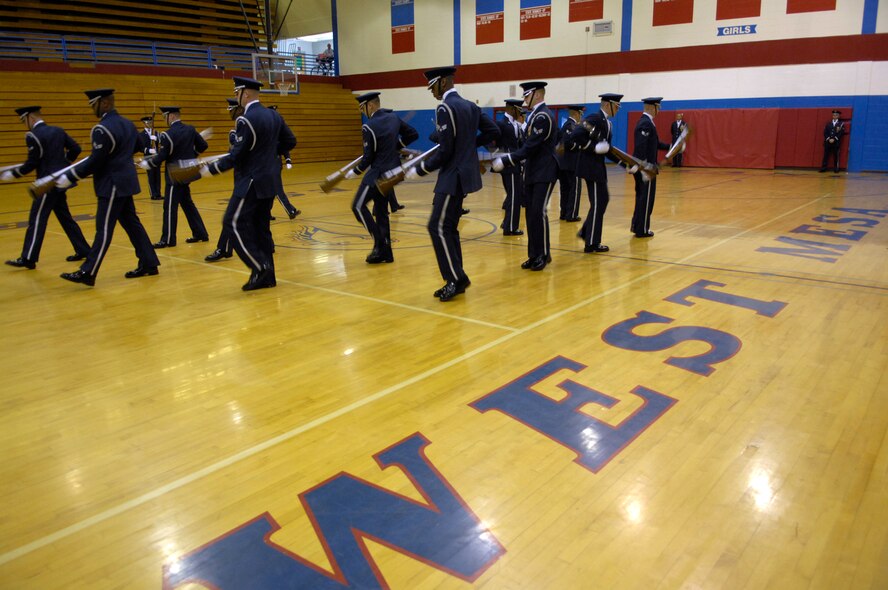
[723,138]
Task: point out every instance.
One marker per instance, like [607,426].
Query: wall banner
[797,6]
[536,19]
[580,10]
[402,26]
[673,12]
[488,21]
[727,9]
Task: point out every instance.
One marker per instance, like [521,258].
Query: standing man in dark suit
[49,150]
[115,182]
[261,136]
[180,142]
[384,134]
[540,172]
[148,145]
[571,189]
[224,247]
[647,142]
[511,138]
[461,127]
[591,142]
[677,127]
[832,140]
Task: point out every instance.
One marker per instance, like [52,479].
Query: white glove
[207,133]
[151,151]
[632,170]
[289,166]
[7,175]
[831,140]
[350,174]
[205,172]
[143,164]
[411,173]
[645,177]
[497,165]
[63,182]
[602,147]
[153,137]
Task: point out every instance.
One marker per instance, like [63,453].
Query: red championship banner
[488,21]
[580,10]
[796,6]
[402,26]
[536,19]
[727,9]
[673,12]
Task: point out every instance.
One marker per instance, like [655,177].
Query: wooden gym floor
[704,409]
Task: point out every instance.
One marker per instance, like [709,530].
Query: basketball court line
[256,449]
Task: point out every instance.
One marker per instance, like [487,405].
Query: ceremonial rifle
[186,171]
[43,185]
[389,179]
[338,176]
[679,144]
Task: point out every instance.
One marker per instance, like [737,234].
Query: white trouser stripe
[360,205]
[441,236]
[546,220]
[240,240]
[105,236]
[512,224]
[647,206]
[578,187]
[169,222]
[594,212]
[36,228]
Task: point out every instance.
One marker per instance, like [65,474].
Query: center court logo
[312,235]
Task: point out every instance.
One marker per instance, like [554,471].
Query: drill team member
[148,145]
[384,135]
[115,182]
[49,150]
[647,142]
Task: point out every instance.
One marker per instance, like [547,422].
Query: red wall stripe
[849,48]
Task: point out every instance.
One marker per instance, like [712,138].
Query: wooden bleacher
[323,116]
[202,22]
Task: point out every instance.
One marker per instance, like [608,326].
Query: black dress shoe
[516,232]
[399,207]
[75,257]
[822,170]
[596,248]
[156,198]
[293,213]
[78,276]
[539,263]
[449,291]
[462,284]
[527,263]
[162,244]
[572,219]
[217,255]
[439,291]
[264,279]
[465,211]
[141,271]
[377,257]
[22,263]
[194,240]
[648,234]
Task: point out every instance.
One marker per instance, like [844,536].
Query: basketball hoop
[284,87]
